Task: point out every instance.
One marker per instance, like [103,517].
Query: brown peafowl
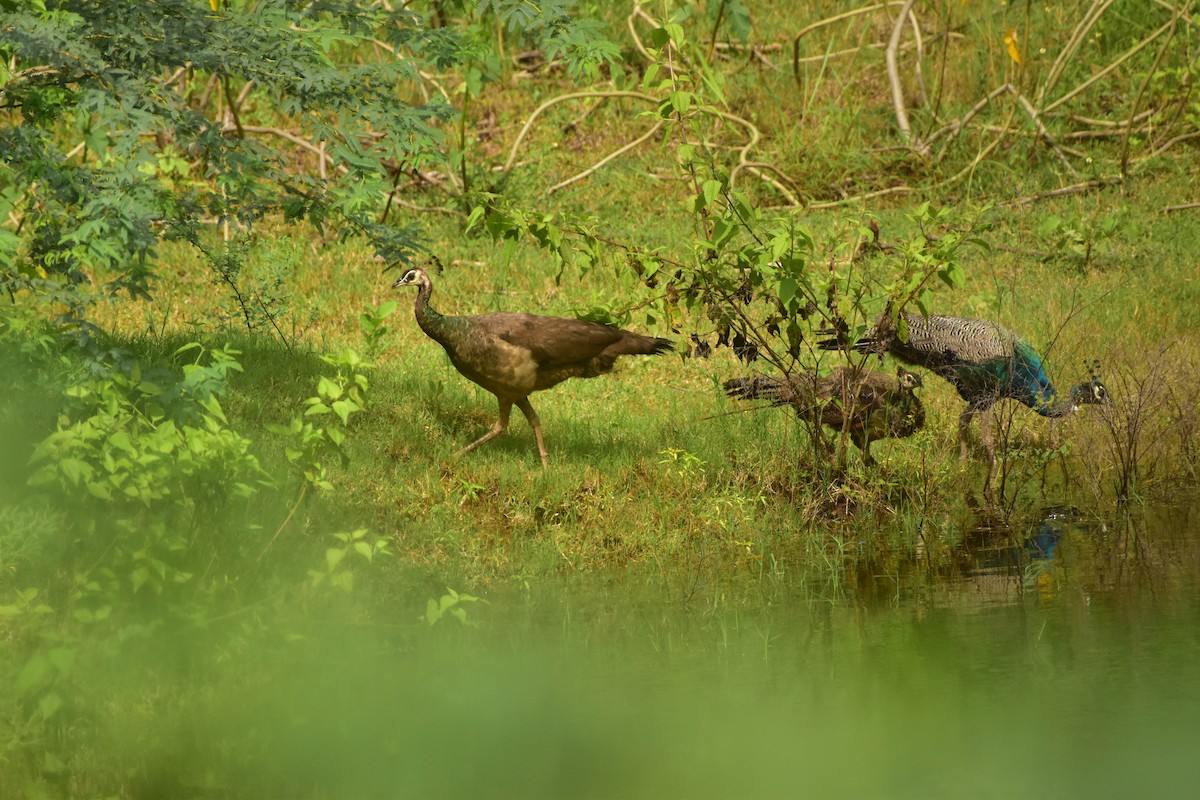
[513,355]
[984,361]
[869,405]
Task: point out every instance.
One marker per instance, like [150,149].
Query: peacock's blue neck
[1031,385]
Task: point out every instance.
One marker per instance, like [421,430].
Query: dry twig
[894,79]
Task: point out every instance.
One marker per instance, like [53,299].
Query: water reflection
[996,559]
[930,676]
[997,549]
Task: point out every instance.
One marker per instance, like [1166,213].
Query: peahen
[513,355]
[868,405]
[984,361]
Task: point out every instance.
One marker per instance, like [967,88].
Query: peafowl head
[1093,392]
[908,380]
[412,277]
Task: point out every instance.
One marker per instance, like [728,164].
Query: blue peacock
[983,360]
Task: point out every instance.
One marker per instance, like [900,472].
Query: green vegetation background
[226,449]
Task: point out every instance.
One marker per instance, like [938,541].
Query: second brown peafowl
[984,361]
[868,405]
[513,355]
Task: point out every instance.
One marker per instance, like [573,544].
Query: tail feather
[760,387]
[661,346]
[863,345]
[635,344]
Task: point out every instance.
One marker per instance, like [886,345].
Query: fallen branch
[562,98]
[1076,188]
[1060,63]
[614,154]
[1102,73]
[758,167]
[957,125]
[860,197]
[1042,132]
[1183,137]
[1153,71]
[894,78]
[796,60]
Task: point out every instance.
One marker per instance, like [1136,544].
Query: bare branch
[796,60]
[1125,57]
[1183,137]
[758,168]
[894,75]
[1077,188]
[614,154]
[1153,71]
[1042,132]
[512,153]
[1089,19]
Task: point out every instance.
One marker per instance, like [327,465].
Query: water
[1060,660]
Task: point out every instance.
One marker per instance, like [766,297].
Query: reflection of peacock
[513,355]
[868,405]
[983,360]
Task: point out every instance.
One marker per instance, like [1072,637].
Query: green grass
[656,479]
[651,459]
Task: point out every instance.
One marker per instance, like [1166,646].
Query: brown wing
[867,388]
[557,342]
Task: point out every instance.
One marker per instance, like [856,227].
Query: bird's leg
[496,430]
[964,425]
[864,444]
[987,434]
[536,424]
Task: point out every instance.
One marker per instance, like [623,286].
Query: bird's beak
[399,282]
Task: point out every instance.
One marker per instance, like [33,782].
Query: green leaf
[787,291]
[63,659]
[52,764]
[75,470]
[723,230]
[334,556]
[364,550]
[99,490]
[33,673]
[473,218]
[1049,225]
[44,476]
[329,389]
[344,408]
[48,704]
[139,577]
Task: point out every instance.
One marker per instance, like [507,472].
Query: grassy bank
[654,462]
